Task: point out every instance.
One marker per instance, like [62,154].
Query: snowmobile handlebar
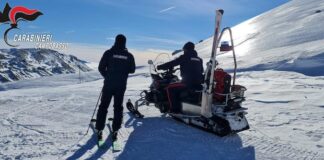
[169,72]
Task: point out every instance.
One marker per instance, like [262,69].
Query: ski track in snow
[49,123]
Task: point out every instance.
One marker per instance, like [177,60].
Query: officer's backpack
[222,86]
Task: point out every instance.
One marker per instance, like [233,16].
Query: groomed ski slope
[46,118]
[48,123]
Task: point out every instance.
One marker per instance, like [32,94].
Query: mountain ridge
[21,64]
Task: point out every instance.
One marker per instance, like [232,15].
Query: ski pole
[94,112]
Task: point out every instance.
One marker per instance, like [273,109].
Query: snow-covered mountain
[19,64]
[287,38]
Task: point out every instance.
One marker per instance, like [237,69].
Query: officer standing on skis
[115,66]
[191,67]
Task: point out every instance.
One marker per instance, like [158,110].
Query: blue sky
[163,24]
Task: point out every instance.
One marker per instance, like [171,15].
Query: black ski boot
[116,146]
[99,135]
[100,140]
[114,136]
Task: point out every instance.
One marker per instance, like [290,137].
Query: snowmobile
[216,107]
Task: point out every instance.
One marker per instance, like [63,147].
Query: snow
[21,64]
[46,118]
[285,114]
[287,38]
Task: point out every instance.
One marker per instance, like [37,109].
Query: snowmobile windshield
[159,59]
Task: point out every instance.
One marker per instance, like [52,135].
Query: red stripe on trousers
[173,85]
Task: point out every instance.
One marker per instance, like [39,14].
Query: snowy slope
[49,123]
[19,64]
[46,118]
[287,38]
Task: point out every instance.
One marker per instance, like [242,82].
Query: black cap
[189,46]
[120,41]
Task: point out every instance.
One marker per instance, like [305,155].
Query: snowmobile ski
[133,110]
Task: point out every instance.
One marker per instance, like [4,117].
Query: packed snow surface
[280,58]
[285,114]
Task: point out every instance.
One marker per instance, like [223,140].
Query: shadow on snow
[88,146]
[165,138]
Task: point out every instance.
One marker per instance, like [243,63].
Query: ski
[100,143]
[133,110]
[209,74]
[116,146]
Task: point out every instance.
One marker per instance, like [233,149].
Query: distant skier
[191,67]
[115,66]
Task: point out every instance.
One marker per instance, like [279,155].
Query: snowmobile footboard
[190,109]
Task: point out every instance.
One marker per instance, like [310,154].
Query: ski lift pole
[94,112]
[80,76]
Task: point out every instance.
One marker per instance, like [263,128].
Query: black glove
[159,67]
[164,66]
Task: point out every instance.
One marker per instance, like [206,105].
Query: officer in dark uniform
[115,66]
[191,67]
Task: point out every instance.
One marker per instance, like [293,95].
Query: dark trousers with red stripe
[173,91]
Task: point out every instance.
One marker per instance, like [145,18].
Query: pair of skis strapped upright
[207,96]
